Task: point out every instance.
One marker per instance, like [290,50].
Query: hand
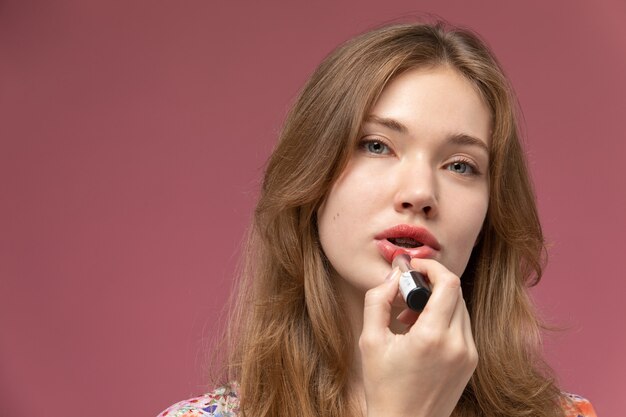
[424,371]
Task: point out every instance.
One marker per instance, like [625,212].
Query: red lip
[388,249]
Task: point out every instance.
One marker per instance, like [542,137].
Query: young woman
[404,141]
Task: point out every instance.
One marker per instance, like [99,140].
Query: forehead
[434,101]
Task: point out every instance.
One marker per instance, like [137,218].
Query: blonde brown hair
[289,348]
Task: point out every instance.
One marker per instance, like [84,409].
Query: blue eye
[462,167]
[376,147]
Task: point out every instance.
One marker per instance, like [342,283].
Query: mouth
[414,241]
[409,236]
[405,242]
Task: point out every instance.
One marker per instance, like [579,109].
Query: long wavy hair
[289,347]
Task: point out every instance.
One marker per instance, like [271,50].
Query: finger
[444,293]
[377,306]
[408,317]
[461,330]
[457,321]
[461,322]
[467,327]
[468,336]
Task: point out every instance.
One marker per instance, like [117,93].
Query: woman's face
[417,182]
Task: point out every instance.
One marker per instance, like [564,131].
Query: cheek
[473,210]
[336,216]
[331,217]
[470,220]
[333,226]
[478,218]
[343,216]
[350,199]
[475,222]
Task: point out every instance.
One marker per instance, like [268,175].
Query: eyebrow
[388,123]
[457,139]
[467,140]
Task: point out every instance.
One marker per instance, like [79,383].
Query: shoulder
[577,406]
[222,402]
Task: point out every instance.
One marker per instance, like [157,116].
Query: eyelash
[468,163]
[364,143]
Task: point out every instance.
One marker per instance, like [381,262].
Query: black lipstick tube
[413,285]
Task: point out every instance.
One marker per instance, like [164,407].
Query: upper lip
[420,234]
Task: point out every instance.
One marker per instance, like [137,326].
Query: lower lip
[388,250]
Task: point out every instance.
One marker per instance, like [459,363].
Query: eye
[375,146]
[463,167]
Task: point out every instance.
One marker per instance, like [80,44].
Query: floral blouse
[223,402]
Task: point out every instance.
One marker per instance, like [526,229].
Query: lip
[388,250]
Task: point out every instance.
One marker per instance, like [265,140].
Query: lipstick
[413,285]
[426,245]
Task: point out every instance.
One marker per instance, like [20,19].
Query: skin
[415,175]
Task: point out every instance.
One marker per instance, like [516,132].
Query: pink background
[133,135]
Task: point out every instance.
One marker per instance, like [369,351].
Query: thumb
[377,306]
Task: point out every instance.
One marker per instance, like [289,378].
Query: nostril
[407,205]
[427,209]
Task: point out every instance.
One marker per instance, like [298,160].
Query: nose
[417,191]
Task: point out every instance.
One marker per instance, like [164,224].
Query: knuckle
[366,342]
[473,357]
[431,339]
[372,297]
[451,281]
[464,356]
